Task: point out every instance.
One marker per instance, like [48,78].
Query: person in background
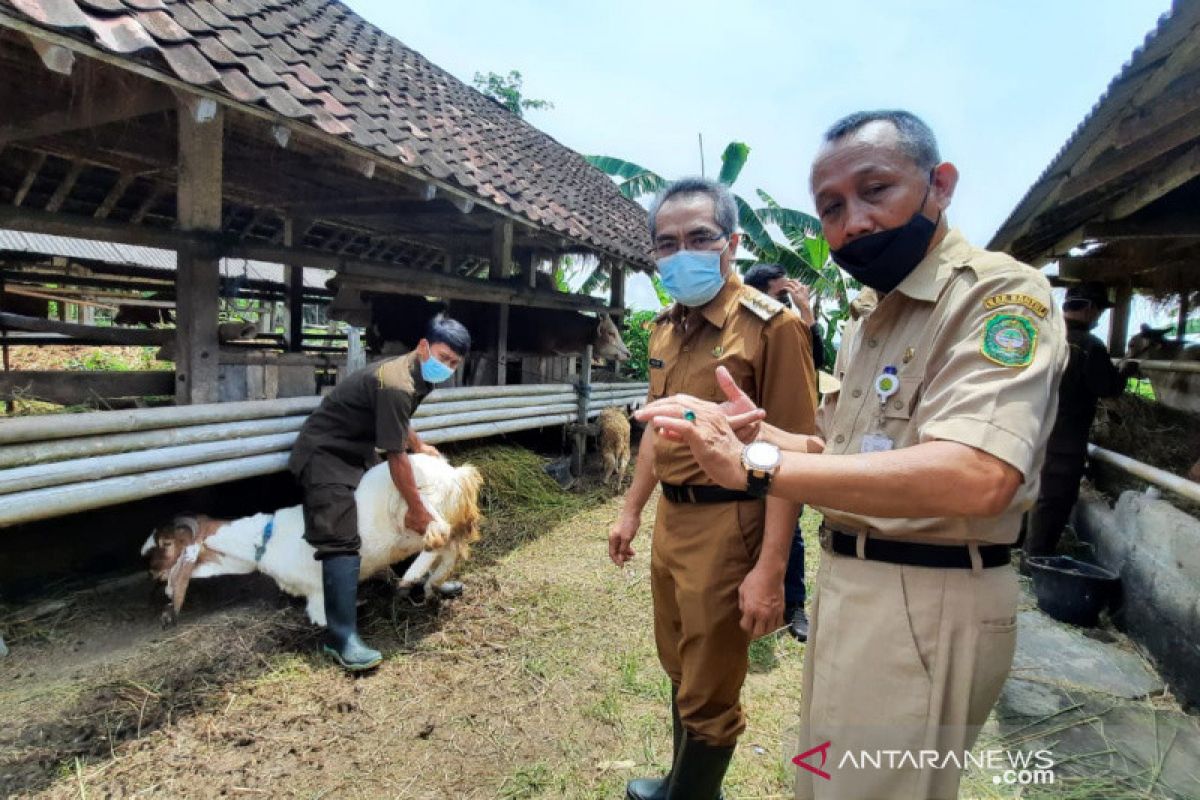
[772,280]
[1090,375]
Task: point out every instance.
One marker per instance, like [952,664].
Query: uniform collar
[421,385]
[926,281]
[716,310]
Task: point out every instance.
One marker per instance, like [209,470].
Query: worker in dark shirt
[369,411]
[1089,375]
[772,280]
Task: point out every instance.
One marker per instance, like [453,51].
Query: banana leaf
[732,161]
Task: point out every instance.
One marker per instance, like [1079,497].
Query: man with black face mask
[922,466]
[1090,375]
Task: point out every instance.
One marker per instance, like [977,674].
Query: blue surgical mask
[435,371]
[692,277]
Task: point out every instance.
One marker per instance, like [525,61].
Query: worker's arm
[417,445]
[417,516]
[620,536]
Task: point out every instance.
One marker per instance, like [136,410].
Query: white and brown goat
[614,444]
[201,547]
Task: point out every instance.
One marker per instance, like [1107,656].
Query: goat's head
[1148,341]
[174,551]
[462,509]
[609,343]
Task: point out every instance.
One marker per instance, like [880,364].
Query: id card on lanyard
[877,441]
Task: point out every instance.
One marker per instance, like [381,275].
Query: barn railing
[63,464]
[1153,475]
[1163,366]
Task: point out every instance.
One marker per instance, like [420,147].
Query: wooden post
[617,283]
[1118,332]
[198,277]
[1181,328]
[294,280]
[502,345]
[502,241]
[584,393]
[529,270]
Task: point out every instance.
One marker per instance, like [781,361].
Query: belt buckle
[691,493]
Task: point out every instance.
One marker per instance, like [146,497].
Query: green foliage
[506,90]
[635,181]
[637,339]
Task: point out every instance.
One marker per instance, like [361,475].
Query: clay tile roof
[318,62]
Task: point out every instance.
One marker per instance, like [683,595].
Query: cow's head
[608,340]
[1149,343]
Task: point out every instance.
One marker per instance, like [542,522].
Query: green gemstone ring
[689,415]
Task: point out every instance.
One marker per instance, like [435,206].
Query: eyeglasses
[698,241]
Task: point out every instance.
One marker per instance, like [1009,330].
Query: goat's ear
[181,574]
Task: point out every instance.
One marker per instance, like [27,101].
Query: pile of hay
[1148,431]
[519,500]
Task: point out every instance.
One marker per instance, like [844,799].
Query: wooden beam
[617,284]
[1180,98]
[64,187]
[294,280]
[70,388]
[114,195]
[1118,332]
[1119,163]
[1158,183]
[1097,268]
[1183,226]
[127,337]
[151,200]
[501,256]
[529,269]
[30,176]
[98,106]
[198,276]
[502,344]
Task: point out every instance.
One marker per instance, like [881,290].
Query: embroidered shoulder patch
[1009,340]
[1032,303]
[763,307]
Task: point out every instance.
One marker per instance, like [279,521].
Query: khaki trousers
[699,557]
[901,658]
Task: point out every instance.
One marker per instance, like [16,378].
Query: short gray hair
[725,208]
[916,138]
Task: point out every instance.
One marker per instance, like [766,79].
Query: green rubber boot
[339,576]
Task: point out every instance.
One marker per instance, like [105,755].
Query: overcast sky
[1003,84]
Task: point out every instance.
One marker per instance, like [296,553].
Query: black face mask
[882,260]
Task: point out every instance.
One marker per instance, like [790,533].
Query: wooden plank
[1159,182]
[121,336]
[502,344]
[501,254]
[1177,100]
[30,176]
[198,276]
[617,284]
[294,281]
[114,195]
[97,106]
[64,187]
[152,197]
[70,388]
[1175,227]
[1118,332]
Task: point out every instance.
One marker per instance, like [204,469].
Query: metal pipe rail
[1191,367]
[1159,477]
[106,458]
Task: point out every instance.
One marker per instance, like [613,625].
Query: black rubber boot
[339,576]
[656,788]
[797,624]
[699,771]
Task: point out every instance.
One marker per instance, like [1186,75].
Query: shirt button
[873,343]
[898,404]
[856,393]
[839,438]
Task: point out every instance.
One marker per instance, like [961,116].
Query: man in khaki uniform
[718,557]
[932,451]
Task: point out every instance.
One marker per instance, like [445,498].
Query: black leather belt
[703,494]
[916,555]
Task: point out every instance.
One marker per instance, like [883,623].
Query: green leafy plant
[637,339]
[506,90]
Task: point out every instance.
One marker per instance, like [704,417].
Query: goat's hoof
[169,618]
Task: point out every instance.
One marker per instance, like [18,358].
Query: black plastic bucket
[1071,590]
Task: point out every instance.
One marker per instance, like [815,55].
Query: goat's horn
[192,525]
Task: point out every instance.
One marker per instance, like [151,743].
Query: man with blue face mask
[368,411]
[925,460]
[718,557]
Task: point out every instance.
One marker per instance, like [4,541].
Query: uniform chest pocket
[658,382]
[900,405]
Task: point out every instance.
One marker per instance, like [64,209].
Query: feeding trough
[1071,590]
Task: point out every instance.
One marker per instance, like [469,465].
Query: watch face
[762,455]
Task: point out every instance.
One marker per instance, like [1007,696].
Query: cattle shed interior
[295,137]
[1118,204]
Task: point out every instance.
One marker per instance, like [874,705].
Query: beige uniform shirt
[978,345]
[766,350]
